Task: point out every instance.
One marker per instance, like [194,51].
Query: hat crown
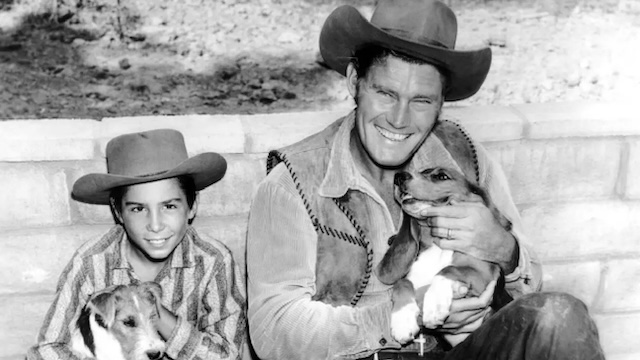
[421,21]
[146,153]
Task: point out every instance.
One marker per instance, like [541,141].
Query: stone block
[581,280]
[32,260]
[619,333]
[47,140]
[583,228]
[230,230]
[580,119]
[559,169]
[33,194]
[621,290]
[631,179]
[487,123]
[83,213]
[266,132]
[20,320]
[629,356]
[233,194]
[202,133]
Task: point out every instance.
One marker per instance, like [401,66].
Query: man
[152,186]
[321,219]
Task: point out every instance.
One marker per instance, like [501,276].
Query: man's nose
[400,116]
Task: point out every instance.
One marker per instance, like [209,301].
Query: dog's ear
[103,305]
[401,253]
[151,291]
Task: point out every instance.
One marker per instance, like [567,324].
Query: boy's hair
[364,59]
[185,182]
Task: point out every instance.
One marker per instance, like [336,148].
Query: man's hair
[364,59]
[185,182]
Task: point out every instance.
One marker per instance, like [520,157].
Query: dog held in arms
[117,323]
[420,271]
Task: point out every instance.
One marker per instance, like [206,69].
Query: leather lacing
[274,158]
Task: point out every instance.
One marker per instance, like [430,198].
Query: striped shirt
[285,323]
[201,285]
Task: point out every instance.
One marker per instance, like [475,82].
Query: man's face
[398,105]
[155,216]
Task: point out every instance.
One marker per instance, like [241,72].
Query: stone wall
[573,168]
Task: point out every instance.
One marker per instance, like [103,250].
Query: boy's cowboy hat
[424,29]
[144,157]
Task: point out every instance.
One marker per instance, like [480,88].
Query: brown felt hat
[144,157]
[424,29]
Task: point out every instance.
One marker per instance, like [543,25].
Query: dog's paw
[404,323]
[437,301]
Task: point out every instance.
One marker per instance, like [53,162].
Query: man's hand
[467,314]
[471,228]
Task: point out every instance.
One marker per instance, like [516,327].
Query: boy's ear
[194,208]
[114,210]
[352,80]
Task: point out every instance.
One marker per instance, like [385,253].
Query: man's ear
[352,80]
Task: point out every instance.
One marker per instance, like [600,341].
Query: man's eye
[129,322]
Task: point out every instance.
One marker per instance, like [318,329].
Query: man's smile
[391,135]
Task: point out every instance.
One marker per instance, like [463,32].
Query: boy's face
[155,216]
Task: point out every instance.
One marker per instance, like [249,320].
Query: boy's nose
[156,223]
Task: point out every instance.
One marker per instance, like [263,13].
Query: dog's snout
[154,355]
[401,177]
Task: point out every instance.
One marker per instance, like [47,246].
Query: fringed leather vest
[344,258]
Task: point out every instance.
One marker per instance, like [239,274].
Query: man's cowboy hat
[424,29]
[144,157]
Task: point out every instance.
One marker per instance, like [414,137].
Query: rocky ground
[105,58]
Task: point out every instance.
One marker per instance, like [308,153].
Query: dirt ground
[106,58]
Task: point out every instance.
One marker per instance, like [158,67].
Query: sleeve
[284,322]
[54,338]
[225,306]
[527,277]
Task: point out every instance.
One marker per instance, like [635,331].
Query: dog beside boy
[151,186]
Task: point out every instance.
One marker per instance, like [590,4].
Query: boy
[151,187]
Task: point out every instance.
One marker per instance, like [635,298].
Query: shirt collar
[342,174]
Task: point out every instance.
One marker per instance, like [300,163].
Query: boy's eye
[136,209]
[171,206]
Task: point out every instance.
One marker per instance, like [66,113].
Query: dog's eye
[440,176]
[130,322]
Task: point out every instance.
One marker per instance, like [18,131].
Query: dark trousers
[537,326]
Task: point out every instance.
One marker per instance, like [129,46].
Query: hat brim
[346,31]
[205,169]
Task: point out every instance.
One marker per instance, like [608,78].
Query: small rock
[267,97]
[288,37]
[78,42]
[497,41]
[124,64]
[138,37]
[573,79]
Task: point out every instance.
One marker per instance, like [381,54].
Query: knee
[555,309]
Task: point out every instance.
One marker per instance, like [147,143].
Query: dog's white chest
[428,264]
